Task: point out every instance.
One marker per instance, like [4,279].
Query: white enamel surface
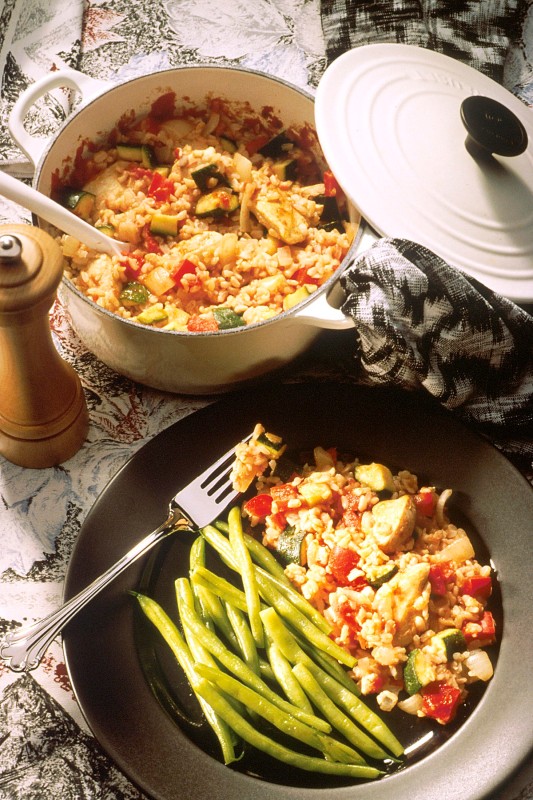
[388,119]
[167,360]
[34,146]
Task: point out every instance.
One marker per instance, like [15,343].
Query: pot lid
[421,144]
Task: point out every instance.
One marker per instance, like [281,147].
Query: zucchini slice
[142,153]
[217,203]
[109,230]
[227,318]
[272,443]
[377,477]
[134,294]
[208,178]
[330,217]
[298,296]
[290,547]
[377,576]
[78,201]
[164,224]
[151,315]
[418,672]
[449,641]
[230,145]
[286,170]
[276,147]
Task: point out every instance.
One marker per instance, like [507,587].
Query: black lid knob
[492,127]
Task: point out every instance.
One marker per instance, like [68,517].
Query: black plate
[124,682]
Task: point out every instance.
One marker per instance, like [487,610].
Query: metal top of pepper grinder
[43,415]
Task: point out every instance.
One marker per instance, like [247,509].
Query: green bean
[302,623]
[160,619]
[328,664]
[190,619]
[358,710]
[334,715]
[262,707]
[221,544]
[244,637]
[264,558]
[266,671]
[298,600]
[283,674]
[248,577]
[278,751]
[288,645]
[220,586]
[271,570]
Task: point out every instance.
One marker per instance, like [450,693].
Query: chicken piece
[391,523]
[273,208]
[106,184]
[407,597]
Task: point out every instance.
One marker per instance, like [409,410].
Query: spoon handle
[52,212]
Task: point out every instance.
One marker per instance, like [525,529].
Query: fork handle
[23,648]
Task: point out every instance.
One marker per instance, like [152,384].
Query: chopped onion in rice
[439,509]
[459,550]
[412,705]
[212,123]
[479,665]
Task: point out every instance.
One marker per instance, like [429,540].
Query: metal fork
[194,506]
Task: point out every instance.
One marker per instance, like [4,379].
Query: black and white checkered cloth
[477,32]
[420,322]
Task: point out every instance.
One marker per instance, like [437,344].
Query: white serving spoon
[57,215]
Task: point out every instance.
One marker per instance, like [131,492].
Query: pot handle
[34,146]
[322,314]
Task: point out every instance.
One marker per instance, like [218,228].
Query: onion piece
[461,549]
[439,509]
[411,705]
[479,665]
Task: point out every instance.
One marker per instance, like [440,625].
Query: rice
[265,243]
[372,563]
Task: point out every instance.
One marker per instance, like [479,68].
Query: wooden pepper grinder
[43,416]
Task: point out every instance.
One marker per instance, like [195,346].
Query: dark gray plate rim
[395,427]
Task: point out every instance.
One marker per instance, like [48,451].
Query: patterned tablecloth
[45,746]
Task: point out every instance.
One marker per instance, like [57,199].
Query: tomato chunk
[259,506]
[440,701]
[425,503]
[160,188]
[282,494]
[478,586]
[481,633]
[439,575]
[202,324]
[342,560]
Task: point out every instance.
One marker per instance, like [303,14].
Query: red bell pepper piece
[255,144]
[331,186]
[282,493]
[302,276]
[279,520]
[440,701]
[133,270]
[425,503]
[202,324]
[342,560]
[439,575]
[481,633]
[151,245]
[259,506]
[185,267]
[160,188]
[478,586]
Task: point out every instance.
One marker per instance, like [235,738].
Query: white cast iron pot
[175,361]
